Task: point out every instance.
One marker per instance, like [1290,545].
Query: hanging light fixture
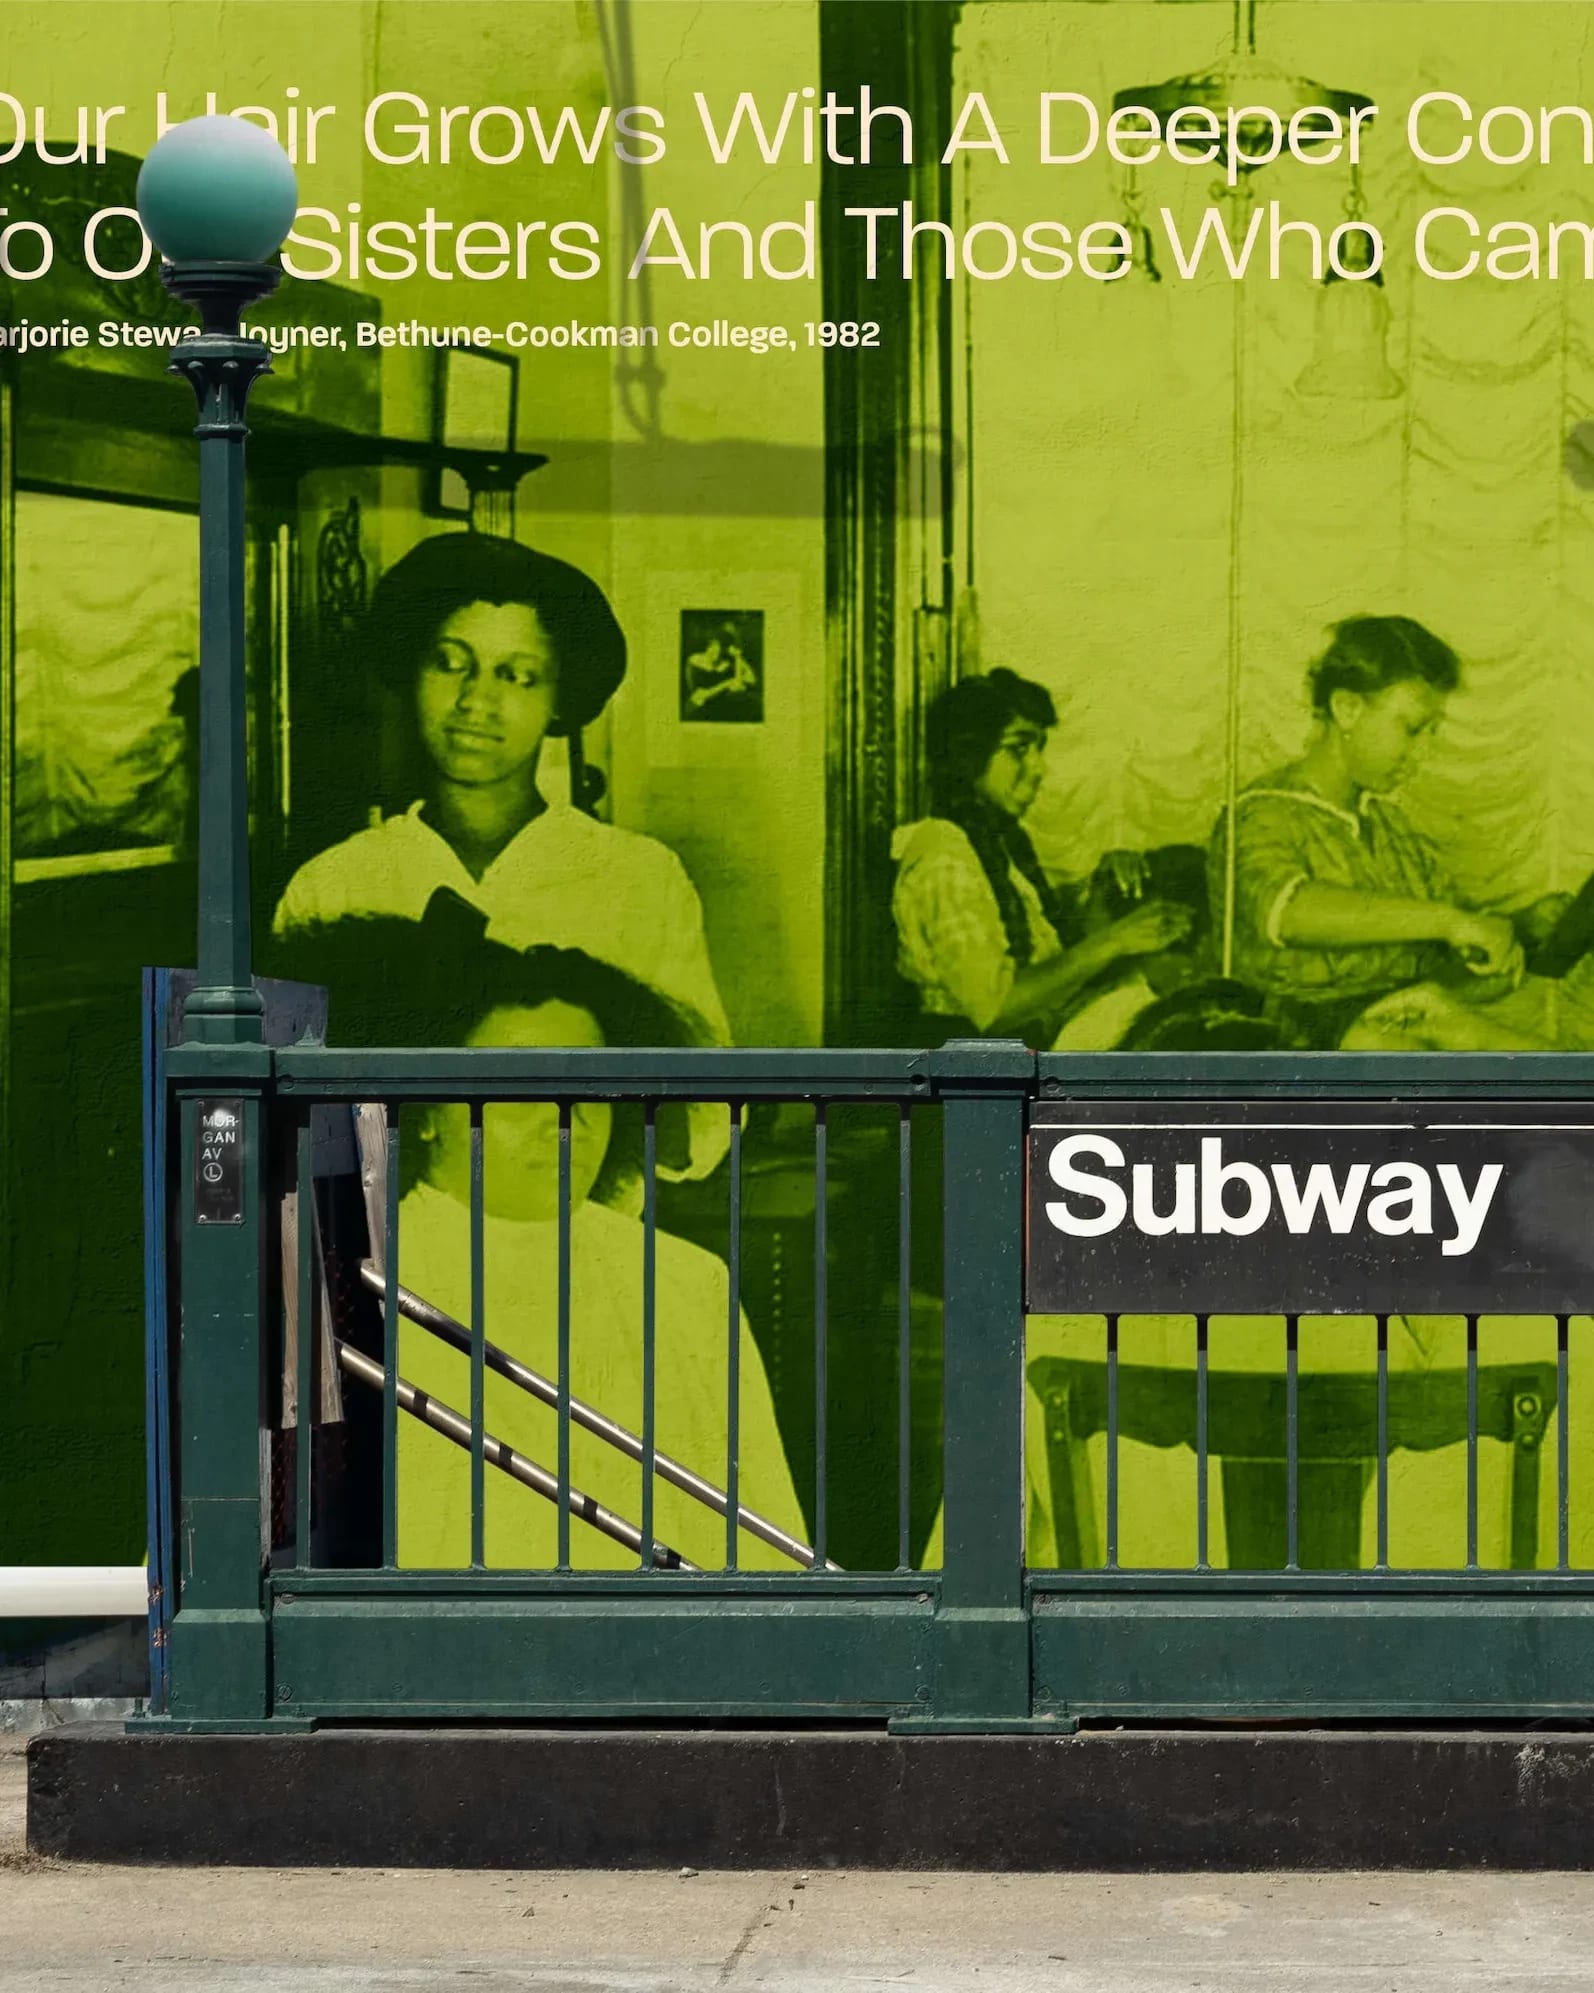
[1350,359]
[1350,362]
[1245,80]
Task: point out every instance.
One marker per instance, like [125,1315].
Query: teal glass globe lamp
[217,190]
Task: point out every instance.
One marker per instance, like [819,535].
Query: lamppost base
[220,292]
[221,1016]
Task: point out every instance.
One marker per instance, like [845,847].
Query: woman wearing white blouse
[491,649]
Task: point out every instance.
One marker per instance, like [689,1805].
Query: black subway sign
[1310,1207]
[218,1162]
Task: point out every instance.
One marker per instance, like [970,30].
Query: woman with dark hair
[547,997]
[1335,899]
[989,945]
[490,649]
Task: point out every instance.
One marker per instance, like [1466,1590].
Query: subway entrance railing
[1049,1518]
[379,1497]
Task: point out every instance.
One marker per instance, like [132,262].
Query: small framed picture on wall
[722,667]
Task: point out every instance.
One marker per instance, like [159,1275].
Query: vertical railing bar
[1382,1556]
[158,1461]
[563,1554]
[821,1331]
[304,1367]
[390,1333]
[650,1183]
[478,1344]
[1563,1458]
[1292,1441]
[1112,1442]
[1201,1443]
[904,1334]
[1472,1442]
[733,1352]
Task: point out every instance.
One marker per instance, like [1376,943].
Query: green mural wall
[814,497]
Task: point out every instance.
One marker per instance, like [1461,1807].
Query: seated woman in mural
[546,997]
[990,947]
[1339,902]
[490,649]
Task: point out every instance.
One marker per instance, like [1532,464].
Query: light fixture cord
[1240,205]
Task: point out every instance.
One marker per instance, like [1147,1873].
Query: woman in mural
[547,997]
[1339,903]
[990,947]
[490,649]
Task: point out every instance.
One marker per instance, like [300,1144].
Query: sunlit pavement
[87,1928]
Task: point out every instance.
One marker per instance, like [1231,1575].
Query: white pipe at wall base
[73,1591]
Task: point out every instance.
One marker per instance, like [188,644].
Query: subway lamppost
[217,196]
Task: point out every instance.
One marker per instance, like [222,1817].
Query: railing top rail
[898,1073]
[1318,1075]
[740,1074]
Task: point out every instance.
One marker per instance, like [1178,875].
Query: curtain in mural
[106,631]
[1112,526]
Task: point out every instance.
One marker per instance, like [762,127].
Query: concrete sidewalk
[75,1929]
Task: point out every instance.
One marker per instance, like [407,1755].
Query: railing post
[220,1658]
[982,1633]
[217,196]
[220,1664]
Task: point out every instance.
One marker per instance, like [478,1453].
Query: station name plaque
[1310,1207]
[218,1163]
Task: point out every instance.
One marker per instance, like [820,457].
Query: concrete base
[634,1798]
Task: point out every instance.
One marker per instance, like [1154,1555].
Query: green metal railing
[987,1637]
[251,1643]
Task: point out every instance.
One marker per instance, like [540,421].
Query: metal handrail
[431,1318]
[454,1426]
